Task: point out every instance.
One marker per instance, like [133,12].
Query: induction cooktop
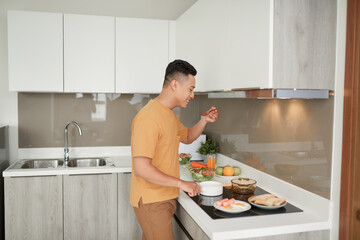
[206,203]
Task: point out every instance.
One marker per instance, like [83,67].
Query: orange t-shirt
[156,134]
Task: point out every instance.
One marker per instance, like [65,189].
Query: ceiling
[156,9]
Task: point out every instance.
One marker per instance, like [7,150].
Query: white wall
[8,100]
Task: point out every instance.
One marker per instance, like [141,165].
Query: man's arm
[142,167]
[195,131]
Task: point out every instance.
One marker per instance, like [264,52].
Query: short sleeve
[144,138]
[182,131]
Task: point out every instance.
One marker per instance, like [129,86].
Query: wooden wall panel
[350,172]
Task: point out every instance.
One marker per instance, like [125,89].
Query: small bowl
[211,188]
[243,185]
[184,158]
[241,197]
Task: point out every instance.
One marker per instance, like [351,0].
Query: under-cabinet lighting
[274,94]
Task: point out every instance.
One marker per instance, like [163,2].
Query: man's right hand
[142,167]
[192,188]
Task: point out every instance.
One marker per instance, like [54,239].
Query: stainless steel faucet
[66,149]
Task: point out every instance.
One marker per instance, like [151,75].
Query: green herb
[208,147]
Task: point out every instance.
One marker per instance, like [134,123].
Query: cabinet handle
[358,214]
[34,176]
[90,174]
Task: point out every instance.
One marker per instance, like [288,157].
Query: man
[156,133]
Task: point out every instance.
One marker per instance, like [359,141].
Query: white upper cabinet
[200,41]
[248,44]
[89,53]
[233,44]
[35,51]
[219,39]
[259,43]
[142,54]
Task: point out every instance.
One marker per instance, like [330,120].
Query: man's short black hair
[178,67]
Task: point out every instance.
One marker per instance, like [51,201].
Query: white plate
[227,177]
[236,208]
[266,207]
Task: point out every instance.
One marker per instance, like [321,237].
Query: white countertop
[118,159]
[116,164]
[315,215]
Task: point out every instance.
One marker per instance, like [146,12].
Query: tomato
[195,170]
[208,172]
[184,155]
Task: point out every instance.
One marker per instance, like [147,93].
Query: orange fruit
[228,171]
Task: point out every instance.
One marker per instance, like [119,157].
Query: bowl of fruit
[184,158]
[227,171]
[200,174]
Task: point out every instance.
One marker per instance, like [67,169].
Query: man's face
[185,90]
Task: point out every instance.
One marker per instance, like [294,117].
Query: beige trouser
[156,219]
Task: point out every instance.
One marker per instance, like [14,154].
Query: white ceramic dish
[227,177]
[266,207]
[211,188]
[235,208]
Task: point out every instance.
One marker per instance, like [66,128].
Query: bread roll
[268,200]
[262,197]
[279,201]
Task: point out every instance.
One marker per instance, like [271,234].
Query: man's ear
[173,84]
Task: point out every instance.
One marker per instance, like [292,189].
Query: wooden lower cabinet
[186,227]
[90,206]
[179,232]
[128,225]
[318,235]
[33,208]
[84,206]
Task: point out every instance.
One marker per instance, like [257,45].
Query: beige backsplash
[104,118]
[289,139]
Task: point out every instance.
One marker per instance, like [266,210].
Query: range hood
[273,94]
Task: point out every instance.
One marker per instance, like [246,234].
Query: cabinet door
[201,40]
[188,225]
[128,225]
[304,44]
[35,51]
[142,53]
[90,206]
[89,53]
[249,44]
[33,208]
[227,41]
[179,231]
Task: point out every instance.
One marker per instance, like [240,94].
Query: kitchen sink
[87,162]
[42,163]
